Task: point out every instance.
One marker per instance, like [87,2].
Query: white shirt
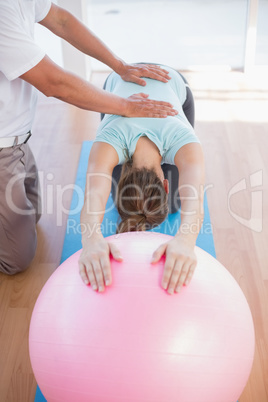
[18,54]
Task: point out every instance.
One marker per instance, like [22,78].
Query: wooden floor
[232,123]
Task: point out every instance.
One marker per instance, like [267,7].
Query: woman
[143,146]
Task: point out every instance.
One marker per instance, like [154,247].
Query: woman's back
[169,134]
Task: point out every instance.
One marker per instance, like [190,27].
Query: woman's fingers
[115,252]
[95,273]
[87,274]
[91,277]
[190,274]
[158,253]
[83,273]
[179,265]
[106,269]
[175,271]
[98,273]
[168,270]
[182,275]
[95,267]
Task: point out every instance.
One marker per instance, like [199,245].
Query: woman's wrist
[187,238]
[92,235]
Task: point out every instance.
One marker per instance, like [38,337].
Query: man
[25,67]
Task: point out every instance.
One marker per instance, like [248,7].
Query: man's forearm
[65,25]
[84,40]
[71,89]
[52,80]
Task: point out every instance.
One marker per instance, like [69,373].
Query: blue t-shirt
[169,134]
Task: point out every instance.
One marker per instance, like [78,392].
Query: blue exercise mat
[72,241]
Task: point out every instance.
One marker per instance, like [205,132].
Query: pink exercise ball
[136,343]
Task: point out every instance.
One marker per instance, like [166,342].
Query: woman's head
[141,199]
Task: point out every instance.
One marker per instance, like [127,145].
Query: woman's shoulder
[110,122]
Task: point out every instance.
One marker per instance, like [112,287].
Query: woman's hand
[180,263]
[134,72]
[94,262]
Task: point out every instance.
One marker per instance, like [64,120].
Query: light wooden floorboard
[232,123]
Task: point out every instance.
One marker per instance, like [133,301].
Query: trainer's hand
[179,266]
[94,262]
[134,72]
[138,105]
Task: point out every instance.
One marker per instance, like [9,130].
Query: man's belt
[8,142]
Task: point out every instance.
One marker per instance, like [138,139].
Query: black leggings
[170,171]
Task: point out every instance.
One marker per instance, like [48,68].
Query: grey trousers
[20,208]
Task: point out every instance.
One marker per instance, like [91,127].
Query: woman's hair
[141,199]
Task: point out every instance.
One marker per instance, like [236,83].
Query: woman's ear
[166,185]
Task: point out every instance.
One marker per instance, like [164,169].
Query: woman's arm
[180,257]
[94,262]
[65,25]
[190,163]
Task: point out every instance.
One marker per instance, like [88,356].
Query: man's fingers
[150,102]
[138,80]
[135,73]
[161,104]
[140,106]
[140,95]
[154,72]
[157,69]
[155,108]
[157,75]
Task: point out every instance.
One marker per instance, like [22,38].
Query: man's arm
[65,25]
[54,81]
[180,257]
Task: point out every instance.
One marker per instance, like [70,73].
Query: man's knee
[17,262]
